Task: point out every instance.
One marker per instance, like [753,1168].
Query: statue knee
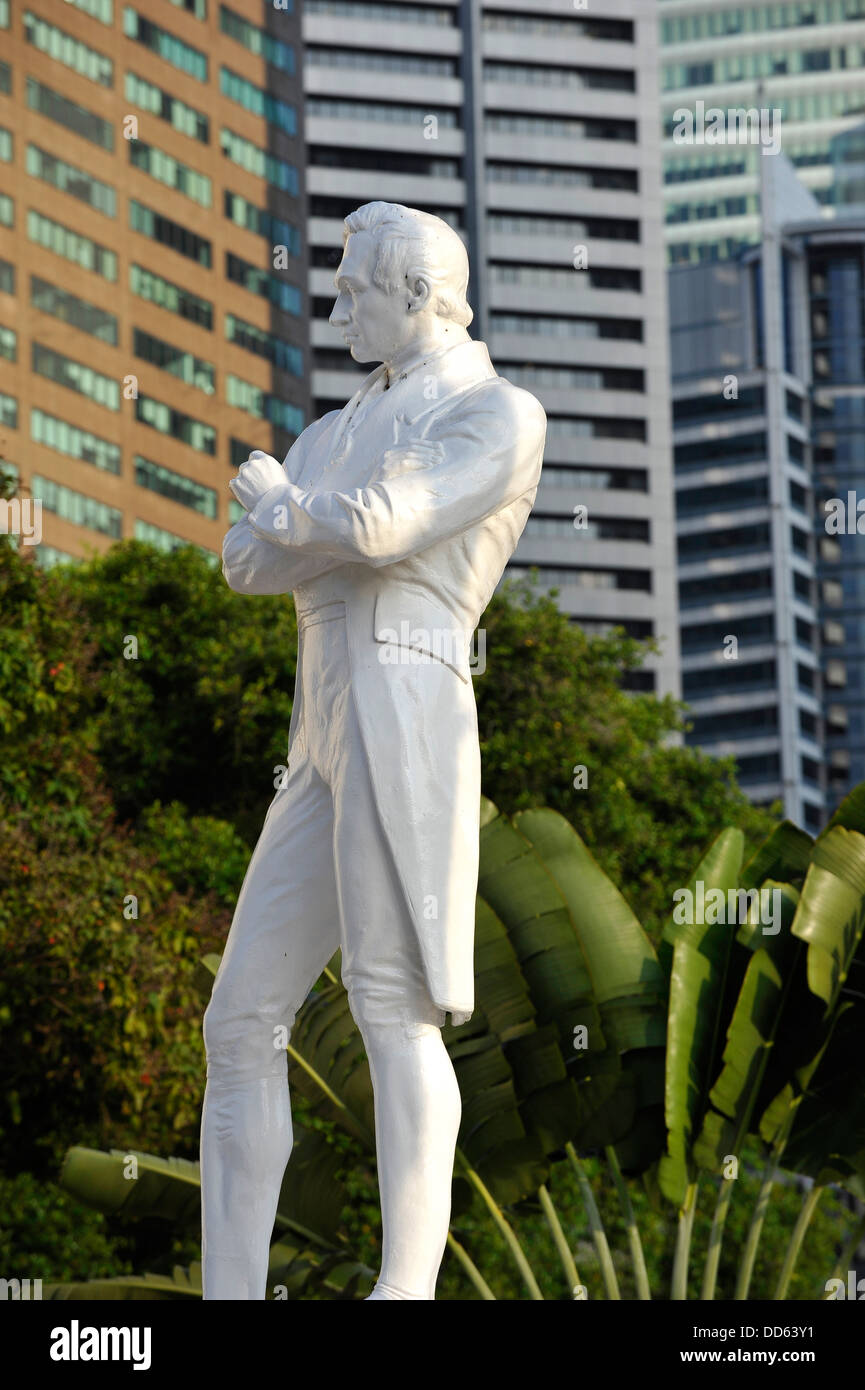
[240,1048]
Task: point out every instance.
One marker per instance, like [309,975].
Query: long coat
[417,550]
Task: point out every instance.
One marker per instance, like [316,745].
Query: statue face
[376,324]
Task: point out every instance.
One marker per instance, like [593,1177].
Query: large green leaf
[774,986]
[627,985]
[783,856]
[697,1018]
[831,912]
[134,1184]
[180,1284]
[829,919]
[827,1140]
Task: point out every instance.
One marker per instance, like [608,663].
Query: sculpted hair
[416,243]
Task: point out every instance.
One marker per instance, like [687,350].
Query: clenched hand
[255,477]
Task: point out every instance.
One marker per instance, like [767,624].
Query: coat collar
[459,367]
[454,371]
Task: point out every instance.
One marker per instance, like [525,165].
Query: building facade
[768,355]
[152,261]
[803,59]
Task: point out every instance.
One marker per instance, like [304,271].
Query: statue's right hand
[255,477]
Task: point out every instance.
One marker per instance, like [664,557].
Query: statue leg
[285,930]
[417,1098]
[417,1118]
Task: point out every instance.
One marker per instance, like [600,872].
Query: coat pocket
[413,628]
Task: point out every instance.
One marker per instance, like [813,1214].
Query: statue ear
[419,293]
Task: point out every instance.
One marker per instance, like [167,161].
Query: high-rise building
[768,357]
[803,59]
[152,260]
[531,126]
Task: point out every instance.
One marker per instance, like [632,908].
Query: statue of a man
[391,522]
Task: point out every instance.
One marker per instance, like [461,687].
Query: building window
[238,453]
[7,146]
[258,41]
[5,18]
[68,178]
[8,344]
[168,108]
[284,356]
[589,577]
[259,220]
[168,46]
[75,376]
[598,528]
[546,75]
[8,411]
[7,211]
[7,277]
[53,236]
[723,497]
[559,326]
[738,449]
[571,476]
[539,375]
[263,405]
[174,360]
[177,300]
[594,427]
[725,541]
[168,170]
[152,224]
[103,10]
[74,442]
[562,175]
[47,556]
[78,313]
[693,410]
[373,60]
[166,541]
[71,52]
[284,296]
[259,162]
[175,487]
[550,26]
[396,113]
[69,114]
[547,277]
[196,7]
[320,206]
[390,161]
[166,420]
[529,225]
[258,101]
[389,14]
[5,78]
[575,128]
[75,507]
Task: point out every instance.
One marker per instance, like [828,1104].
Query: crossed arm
[477,461]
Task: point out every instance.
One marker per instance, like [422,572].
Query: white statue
[391,522]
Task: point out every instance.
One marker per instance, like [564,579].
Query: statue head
[403,277]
